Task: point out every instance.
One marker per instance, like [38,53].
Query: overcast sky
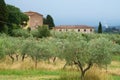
[74,12]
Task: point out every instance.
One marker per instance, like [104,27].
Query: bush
[12,27]
[5,29]
[43,31]
[34,33]
[20,33]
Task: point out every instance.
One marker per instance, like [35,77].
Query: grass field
[28,74]
[53,71]
[116,77]
[33,74]
[42,75]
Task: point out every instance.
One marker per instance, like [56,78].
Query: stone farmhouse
[76,28]
[35,20]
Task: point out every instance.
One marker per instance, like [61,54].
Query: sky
[74,12]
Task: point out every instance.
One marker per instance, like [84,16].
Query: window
[78,30]
[90,30]
[66,30]
[60,30]
[84,30]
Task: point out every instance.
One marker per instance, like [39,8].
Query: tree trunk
[54,59]
[83,71]
[82,75]
[106,68]
[36,63]
[65,65]
[23,57]
[12,58]
[17,57]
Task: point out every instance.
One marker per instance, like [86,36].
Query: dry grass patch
[28,63]
[114,68]
[96,73]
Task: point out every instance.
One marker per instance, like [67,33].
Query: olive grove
[82,50]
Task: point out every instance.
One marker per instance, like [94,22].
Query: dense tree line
[10,17]
[3,15]
[40,32]
[15,15]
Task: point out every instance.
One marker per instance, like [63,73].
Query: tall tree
[3,15]
[49,21]
[15,18]
[44,21]
[100,28]
[15,15]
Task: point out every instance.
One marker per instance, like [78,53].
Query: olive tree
[86,53]
[2,52]
[37,50]
[55,47]
[12,46]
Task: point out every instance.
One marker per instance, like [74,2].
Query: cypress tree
[100,28]
[49,21]
[3,15]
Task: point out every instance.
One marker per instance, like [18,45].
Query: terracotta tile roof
[73,27]
[29,13]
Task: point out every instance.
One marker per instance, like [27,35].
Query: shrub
[34,33]
[5,29]
[20,33]
[12,27]
[43,31]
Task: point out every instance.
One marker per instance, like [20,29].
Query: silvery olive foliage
[83,50]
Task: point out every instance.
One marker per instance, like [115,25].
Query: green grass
[115,77]
[116,57]
[30,72]
[42,75]
[74,75]
[36,74]
[114,67]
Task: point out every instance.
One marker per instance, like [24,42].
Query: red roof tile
[29,13]
[73,27]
